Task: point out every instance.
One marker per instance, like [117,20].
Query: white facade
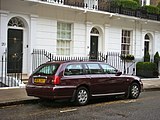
[40,29]
[145,2]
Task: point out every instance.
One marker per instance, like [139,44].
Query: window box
[127,57]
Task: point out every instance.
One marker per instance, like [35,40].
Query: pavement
[14,96]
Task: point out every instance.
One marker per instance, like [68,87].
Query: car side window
[94,68]
[108,69]
[73,69]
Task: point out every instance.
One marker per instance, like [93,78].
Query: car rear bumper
[50,92]
[141,87]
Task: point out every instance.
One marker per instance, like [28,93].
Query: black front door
[15,47]
[94,48]
[146,47]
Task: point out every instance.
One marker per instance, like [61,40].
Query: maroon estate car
[80,81]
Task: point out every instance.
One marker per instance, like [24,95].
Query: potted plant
[147,57]
[156,59]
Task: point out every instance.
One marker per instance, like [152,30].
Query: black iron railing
[9,79]
[40,56]
[107,7]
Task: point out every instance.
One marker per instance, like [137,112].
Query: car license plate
[39,80]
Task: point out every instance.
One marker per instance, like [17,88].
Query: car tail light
[56,80]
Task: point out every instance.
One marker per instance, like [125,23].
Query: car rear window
[49,69]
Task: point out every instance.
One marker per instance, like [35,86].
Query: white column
[156,42]
[106,38]
[88,29]
[142,42]
[32,39]
[134,49]
[3,36]
[3,31]
[147,2]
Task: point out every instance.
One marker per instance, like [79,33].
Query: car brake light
[56,80]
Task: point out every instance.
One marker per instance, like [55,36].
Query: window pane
[125,45]
[64,30]
[73,69]
[108,69]
[63,38]
[95,68]
[63,47]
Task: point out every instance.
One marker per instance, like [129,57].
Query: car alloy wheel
[82,96]
[134,91]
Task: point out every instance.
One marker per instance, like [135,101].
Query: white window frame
[126,39]
[64,41]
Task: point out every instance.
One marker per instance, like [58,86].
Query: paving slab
[14,96]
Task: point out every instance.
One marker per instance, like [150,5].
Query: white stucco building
[145,2]
[66,30]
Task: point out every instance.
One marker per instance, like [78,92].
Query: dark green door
[15,47]
[146,47]
[94,48]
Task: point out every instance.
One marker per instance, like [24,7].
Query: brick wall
[154,2]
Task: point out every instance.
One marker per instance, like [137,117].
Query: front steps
[25,78]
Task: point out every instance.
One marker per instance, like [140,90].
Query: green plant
[137,1]
[127,57]
[151,9]
[129,4]
[156,59]
[146,69]
[147,57]
[130,57]
[147,65]
[158,5]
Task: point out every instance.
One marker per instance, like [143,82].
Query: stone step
[25,78]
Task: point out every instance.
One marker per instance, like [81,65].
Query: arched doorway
[15,45]
[94,43]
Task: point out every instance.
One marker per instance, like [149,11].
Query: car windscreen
[48,69]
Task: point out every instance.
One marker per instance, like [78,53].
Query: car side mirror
[118,73]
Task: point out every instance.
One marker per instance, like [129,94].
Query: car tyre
[134,91]
[82,96]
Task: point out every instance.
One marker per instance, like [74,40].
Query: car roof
[72,61]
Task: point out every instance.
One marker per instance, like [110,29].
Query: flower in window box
[127,57]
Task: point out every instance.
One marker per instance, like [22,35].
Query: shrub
[146,69]
[136,1]
[151,9]
[156,59]
[129,4]
[158,5]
